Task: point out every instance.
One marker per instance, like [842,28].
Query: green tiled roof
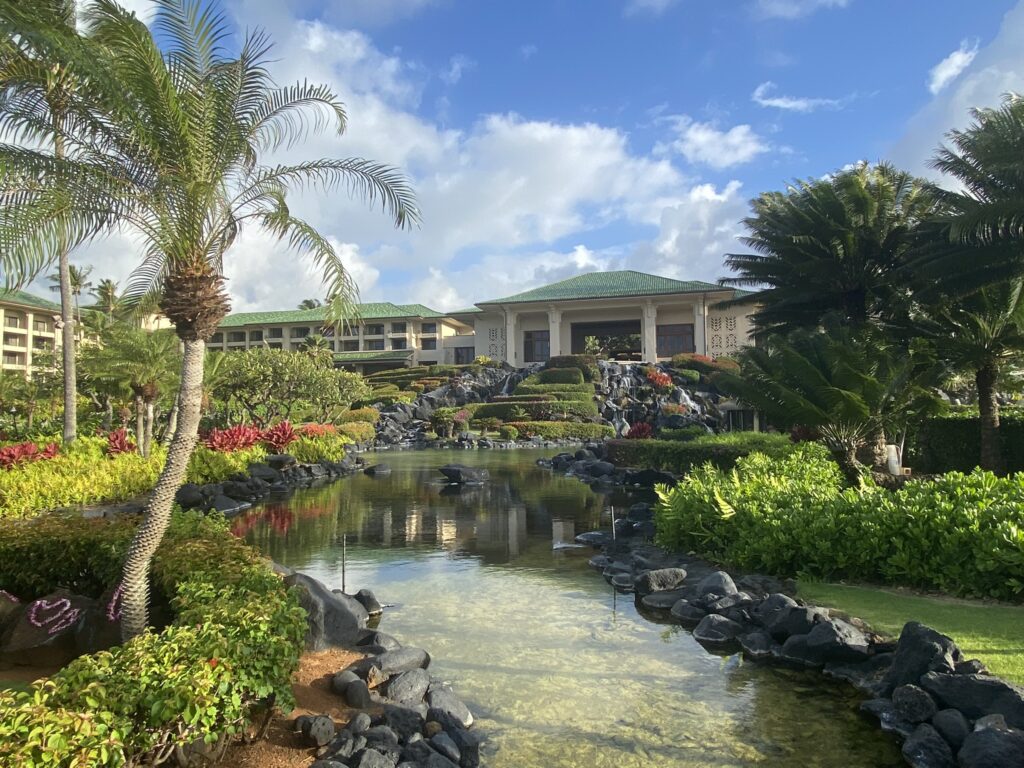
[27,299]
[467,311]
[599,285]
[372,356]
[381,310]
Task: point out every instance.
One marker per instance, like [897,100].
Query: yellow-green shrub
[312,450]
[369,415]
[209,466]
[358,431]
[561,430]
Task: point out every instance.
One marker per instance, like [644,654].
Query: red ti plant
[280,436]
[659,380]
[640,431]
[22,453]
[118,442]
[318,430]
[234,438]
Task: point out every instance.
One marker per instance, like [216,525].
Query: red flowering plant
[118,442]
[318,430]
[640,431]
[280,436]
[23,453]
[236,438]
[658,380]
[674,409]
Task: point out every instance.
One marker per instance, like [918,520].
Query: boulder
[377,469]
[403,660]
[319,731]
[409,686]
[914,704]
[798,620]
[977,696]
[925,748]
[405,721]
[227,505]
[461,474]
[340,681]
[889,721]
[659,580]
[663,601]
[601,469]
[952,726]
[190,496]
[718,583]
[443,743]
[263,472]
[717,631]
[468,743]
[758,645]
[648,478]
[688,614]
[280,461]
[446,702]
[868,676]
[371,758]
[332,620]
[920,650]
[42,634]
[837,641]
[368,600]
[766,611]
[723,604]
[989,748]
[796,651]
[357,694]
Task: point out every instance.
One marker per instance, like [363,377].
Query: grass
[992,632]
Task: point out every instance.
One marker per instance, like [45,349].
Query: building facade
[385,336]
[651,317]
[31,328]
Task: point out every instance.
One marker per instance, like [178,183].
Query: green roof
[372,356]
[466,311]
[601,285]
[27,299]
[381,310]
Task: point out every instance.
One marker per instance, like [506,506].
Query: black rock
[952,725]
[717,631]
[884,710]
[189,496]
[796,620]
[377,469]
[990,748]
[796,651]
[280,461]
[977,696]
[914,704]
[264,472]
[837,641]
[403,720]
[403,660]
[368,600]
[371,758]
[641,512]
[971,667]
[372,637]
[339,683]
[925,748]
[868,676]
[357,694]
[332,620]
[659,580]
[768,609]
[359,723]
[327,763]
[688,614]
[717,582]
[380,737]
[447,702]
[226,505]
[468,743]
[663,601]
[593,538]
[443,743]
[920,650]
[461,474]
[623,582]
[409,686]
[723,604]
[318,730]
[758,645]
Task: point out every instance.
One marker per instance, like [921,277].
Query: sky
[545,138]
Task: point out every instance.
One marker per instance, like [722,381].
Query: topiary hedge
[722,451]
[525,398]
[586,363]
[358,431]
[953,442]
[538,410]
[562,430]
[560,376]
[559,391]
[234,643]
[704,364]
[369,415]
[682,434]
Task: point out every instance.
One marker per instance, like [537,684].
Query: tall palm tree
[310,304]
[831,247]
[78,281]
[180,164]
[107,300]
[42,104]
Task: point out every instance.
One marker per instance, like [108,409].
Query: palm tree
[180,164]
[982,333]
[848,388]
[310,304]
[107,300]
[78,280]
[831,247]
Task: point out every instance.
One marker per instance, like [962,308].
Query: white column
[30,333]
[700,323]
[649,333]
[511,342]
[555,331]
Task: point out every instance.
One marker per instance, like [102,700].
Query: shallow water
[558,669]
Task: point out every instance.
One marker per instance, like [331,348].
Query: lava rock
[263,472]
[405,721]
[359,723]
[659,580]
[687,614]
[717,582]
[339,683]
[797,620]
[280,461]
[723,604]
[977,696]
[461,474]
[796,651]
[368,600]
[409,686]
[371,758]
[332,620]
[989,748]
[445,701]
[468,743]
[921,650]
[377,469]
[717,631]
[403,660]
[190,496]
[914,704]
[443,743]
[889,721]
[758,645]
[357,694]
[836,640]
[925,748]
[952,725]
[318,730]
[663,601]
[765,612]
[868,676]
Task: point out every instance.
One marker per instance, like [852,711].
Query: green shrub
[235,641]
[81,475]
[209,466]
[508,432]
[704,364]
[586,363]
[682,434]
[522,398]
[562,430]
[358,431]
[953,442]
[721,450]
[963,534]
[559,391]
[315,449]
[440,369]
[560,376]
[537,410]
[688,375]
[368,415]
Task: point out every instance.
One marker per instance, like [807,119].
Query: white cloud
[457,65]
[794,9]
[705,144]
[951,67]
[763,95]
[373,12]
[528,51]
[648,6]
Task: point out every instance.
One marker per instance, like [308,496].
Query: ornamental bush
[508,432]
[367,415]
[962,534]
[688,375]
[953,442]
[564,410]
[522,398]
[562,430]
[722,451]
[586,363]
[197,680]
[560,376]
[682,434]
[313,449]
[358,431]
[210,466]
[704,364]
[581,392]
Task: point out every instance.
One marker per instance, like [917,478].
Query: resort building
[31,331]
[385,336]
[649,318]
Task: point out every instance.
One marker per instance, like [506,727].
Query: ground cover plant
[681,456]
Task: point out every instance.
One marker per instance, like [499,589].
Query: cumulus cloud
[705,144]
[765,96]
[457,65]
[951,67]
[794,9]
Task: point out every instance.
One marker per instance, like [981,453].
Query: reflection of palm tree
[79,282]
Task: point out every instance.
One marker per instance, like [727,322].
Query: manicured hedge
[953,442]
[586,363]
[722,451]
[688,375]
[209,466]
[704,364]
[525,398]
[358,431]
[962,534]
[538,411]
[235,641]
[683,434]
[560,376]
[562,430]
[532,388]
[368,415]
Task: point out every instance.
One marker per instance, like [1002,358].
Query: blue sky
[549,138]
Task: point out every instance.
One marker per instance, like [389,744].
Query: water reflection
[561,671]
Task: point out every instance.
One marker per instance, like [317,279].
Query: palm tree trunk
[108,413]
[846,457]
[988,408]
[140,425]
[172,421]
[149,428]
[157,515]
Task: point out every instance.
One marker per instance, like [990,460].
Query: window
[274,345]
[300,332]
[14,341]
[398,344]
[350,346]
[41,326]
[375,344]
[12,358]
[537,346]
[398,327]
[428,343]
[429,328]
[217,338]
[675,339]
[13,321]
[327,331]
[40,343]
[236,336]
[349,330]
[464,355]
[275,333]
[373,330]
[428,362]
[255,335]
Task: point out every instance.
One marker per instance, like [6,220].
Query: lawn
[991,632]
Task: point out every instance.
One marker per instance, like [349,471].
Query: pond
[558,669]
